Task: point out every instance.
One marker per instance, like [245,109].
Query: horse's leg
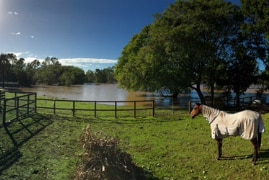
[219,142]
[256,149]
[259,141]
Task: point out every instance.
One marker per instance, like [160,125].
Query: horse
[247,124]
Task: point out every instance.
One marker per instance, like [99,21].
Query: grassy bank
[169,146]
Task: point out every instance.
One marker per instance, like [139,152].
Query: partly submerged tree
[131,70]
[182,49]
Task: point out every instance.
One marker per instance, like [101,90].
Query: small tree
[5,66]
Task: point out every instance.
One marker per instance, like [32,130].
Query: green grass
[169,146]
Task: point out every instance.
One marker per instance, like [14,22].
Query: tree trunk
[212,94]
[200,94]
[175,94]
[237,98]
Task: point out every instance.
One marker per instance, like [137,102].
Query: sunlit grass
[169,146]
[95,108]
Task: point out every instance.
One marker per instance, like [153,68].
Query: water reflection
[88,92]
[100,92]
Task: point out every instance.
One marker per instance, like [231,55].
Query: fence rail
[92,106]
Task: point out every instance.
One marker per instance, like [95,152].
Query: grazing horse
[246,124]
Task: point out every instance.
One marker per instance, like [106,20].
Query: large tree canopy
[256,27]
[187,46]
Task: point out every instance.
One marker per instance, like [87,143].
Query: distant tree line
[49,72]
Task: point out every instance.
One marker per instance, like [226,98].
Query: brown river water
[100,92]
[111,92]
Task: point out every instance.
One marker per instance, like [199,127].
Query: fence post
[189,106]
[28,102]
[74,107]
[54,106]
[35,104]
[153,108]
[95,109]
[17,108]
[116,116]
[135,109]
[2,97]
[4,112]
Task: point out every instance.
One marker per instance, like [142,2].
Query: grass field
[169,146]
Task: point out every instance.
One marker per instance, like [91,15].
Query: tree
[256,16]
[255,27]
[242,72]
[18,71]
[90,76]
[105,75]
[31,69]
[71,75]
[182,49]
[130,69]
[5,66]
[49,72]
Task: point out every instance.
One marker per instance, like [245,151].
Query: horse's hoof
[218,158]
[254,162]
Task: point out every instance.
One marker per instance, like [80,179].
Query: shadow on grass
[114,120]
[235,157]
[141,174]
[8,158]
[19,132]
[264,156]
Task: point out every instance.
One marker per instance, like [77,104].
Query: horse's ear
[198,104]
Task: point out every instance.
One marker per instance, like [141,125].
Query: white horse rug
[245,124]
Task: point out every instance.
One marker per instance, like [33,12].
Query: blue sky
[88,34]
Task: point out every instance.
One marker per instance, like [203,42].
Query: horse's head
[197,109]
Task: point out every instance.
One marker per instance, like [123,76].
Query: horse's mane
[211,113]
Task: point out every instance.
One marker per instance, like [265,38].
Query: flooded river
[103,92]
[110,92]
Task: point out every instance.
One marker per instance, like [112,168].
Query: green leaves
[189,44]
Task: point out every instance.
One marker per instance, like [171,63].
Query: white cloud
[20,54]
[69,61]
[15,33]
[13,13]
[83,63]
[88,63]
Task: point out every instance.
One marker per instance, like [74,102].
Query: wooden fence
[18,107]
[231,104]
[2,97]
[76,106]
